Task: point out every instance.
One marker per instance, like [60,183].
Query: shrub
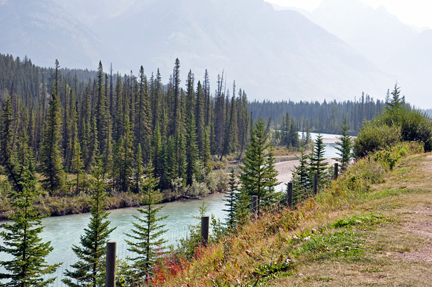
[374,136]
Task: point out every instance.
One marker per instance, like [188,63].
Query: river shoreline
[61,206]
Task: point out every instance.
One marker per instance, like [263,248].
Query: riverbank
[370,227]
[60,206]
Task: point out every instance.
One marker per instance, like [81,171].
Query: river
[65,231]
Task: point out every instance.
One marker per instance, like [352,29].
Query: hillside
[375,33]
[43,31]
[271,54]
[352,234]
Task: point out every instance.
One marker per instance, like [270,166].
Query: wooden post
[204,230]
[110,264]
[290,195]
[315,184]
[336,170]
[254,205]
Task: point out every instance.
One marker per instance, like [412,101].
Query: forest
[72,118]
[325,117]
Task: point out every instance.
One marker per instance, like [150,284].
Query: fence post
[336,170]
[315,184]
[290,195]
[204,230]
[110,264]
[254,204]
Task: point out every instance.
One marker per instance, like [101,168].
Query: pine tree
[170,164]
[300,178]
[258,174]
[90,269]
[138,169]
[6,146]
[157,155]
[242,207]
[206,156]
[230,200]
[397,101]
[122,169]
[344,147]
[21,238]
[145,237]
[51,163]
[316,160]
[78,166]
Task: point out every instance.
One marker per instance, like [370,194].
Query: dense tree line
[72,117]
[325,117]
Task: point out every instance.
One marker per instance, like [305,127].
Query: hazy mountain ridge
[44,32]
[278,54]
[272,54]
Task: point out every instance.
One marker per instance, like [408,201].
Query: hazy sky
[412,12]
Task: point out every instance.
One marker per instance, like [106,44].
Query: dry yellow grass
[397,252]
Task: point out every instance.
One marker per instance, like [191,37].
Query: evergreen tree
[397,101]
[51,166]
[316,160]
[157,155]
[230,200]
[242,207]
[146,235]
[6,146]
[300,178]
[21,238]
[90,269]
[78,166]
[138,169]
[258,174]
[344,147]
[206,156]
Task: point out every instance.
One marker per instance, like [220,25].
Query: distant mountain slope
[273,54]
[44,32]
[373,32]
[414,63]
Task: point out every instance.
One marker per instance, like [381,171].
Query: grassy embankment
[370,227]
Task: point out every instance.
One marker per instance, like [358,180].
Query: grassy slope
[365,235]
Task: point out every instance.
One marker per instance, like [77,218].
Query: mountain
[373,32]
[414,63]
[272,54]
[276,55]
[43,31]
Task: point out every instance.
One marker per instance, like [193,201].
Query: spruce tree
[146,235]
[191,150]
[206,155]
[242,207]
[258,174]
[51,163]
[138,169]
[300,178]
[21,239]
[157,155]
[90,269]
[230,200]
[316,160]
[344,147]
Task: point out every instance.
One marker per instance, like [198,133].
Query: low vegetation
[346,225]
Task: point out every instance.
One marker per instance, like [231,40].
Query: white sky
[411,12]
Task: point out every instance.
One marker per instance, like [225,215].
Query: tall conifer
[51,163]
[146,234]
[90,269]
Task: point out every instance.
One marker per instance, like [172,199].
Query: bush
[394,125]
[415,125]
[374,136]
